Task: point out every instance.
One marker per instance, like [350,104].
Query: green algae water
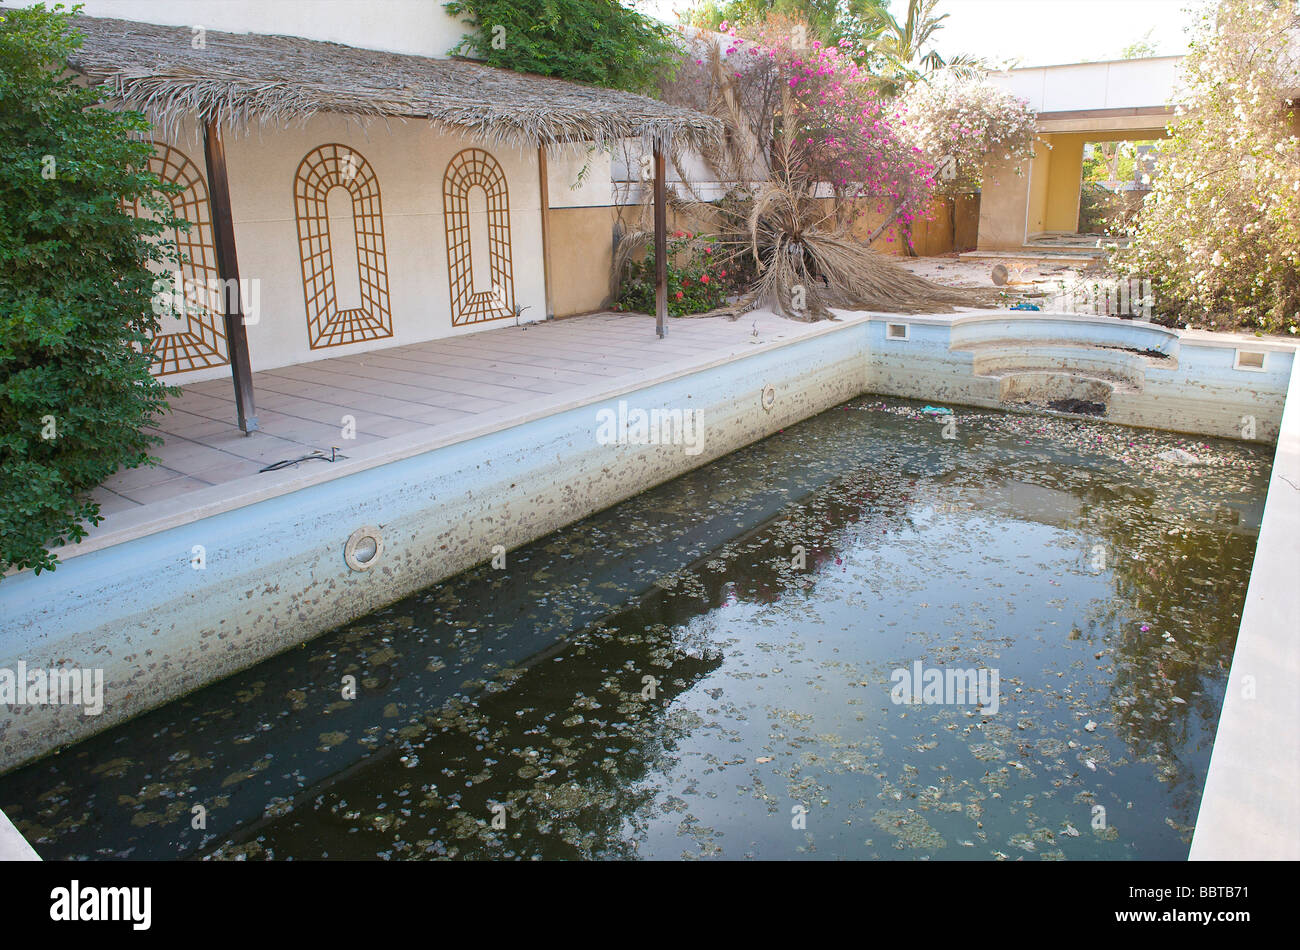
[710,669]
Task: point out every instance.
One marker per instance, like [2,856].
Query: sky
[1039,32]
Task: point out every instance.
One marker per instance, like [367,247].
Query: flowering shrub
[958,123]
[1219,235]
[696,283]
[810,147]
[846,135]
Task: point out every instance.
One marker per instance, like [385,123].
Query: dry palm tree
[796,247]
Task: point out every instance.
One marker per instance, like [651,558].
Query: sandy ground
[1026,279]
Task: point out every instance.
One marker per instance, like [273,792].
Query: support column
[661,240]
[223,234]
[545,187]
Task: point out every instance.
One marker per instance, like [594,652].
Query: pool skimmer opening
[364,548]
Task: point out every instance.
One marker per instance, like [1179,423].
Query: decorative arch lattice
[469,169]
[325,168]
[202,341]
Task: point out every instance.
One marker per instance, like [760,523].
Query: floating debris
[604,695]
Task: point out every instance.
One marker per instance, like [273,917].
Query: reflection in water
[705,670]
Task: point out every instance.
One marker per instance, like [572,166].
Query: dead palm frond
[797,248]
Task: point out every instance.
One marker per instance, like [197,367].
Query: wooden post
[661,241]
[546,229]
[223,234]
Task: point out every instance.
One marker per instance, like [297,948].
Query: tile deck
[430,388]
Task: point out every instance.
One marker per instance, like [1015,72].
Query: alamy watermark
[175,296]
[53,687]
[78,902]
[945,687]
[1127,297]
[636,426]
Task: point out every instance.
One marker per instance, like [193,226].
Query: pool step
[1046,371]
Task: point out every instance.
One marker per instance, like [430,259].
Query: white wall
[409,159]
[421,27]
[568,187]
[1121,84]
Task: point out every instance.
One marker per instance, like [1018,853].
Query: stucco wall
[1117,84]
[409,160]
[418,27]
[582,259]
[1004,202]
[1065,175]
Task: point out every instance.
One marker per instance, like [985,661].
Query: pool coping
[194,506]
[1250,809]
[13,846]
[128,526]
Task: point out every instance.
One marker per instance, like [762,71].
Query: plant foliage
[593,41]
[75,290]
[1219,235]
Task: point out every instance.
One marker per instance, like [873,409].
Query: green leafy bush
[75,290]
[1219,234]
[600,42]
[696,284]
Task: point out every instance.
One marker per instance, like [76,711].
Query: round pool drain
[363,548]
[769,397]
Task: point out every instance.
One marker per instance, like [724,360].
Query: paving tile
[110,502]
[166,490]
[428,387]
[125,480]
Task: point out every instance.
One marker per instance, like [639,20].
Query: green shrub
[695,283]
[602,42]
[1219,234]
[75,291]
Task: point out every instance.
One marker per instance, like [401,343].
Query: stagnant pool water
[769,597]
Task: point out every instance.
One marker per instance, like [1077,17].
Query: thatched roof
[242,77]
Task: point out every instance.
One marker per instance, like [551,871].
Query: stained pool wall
[1203,383]
[275,573]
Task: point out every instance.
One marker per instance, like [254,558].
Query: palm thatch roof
[242,77]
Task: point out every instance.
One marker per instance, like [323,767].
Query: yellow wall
[582,246]
[582,259]
[929,236]
[1065,173]
[1039,172]
[1045,197]
[1004,198]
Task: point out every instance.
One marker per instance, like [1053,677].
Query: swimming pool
[710,669]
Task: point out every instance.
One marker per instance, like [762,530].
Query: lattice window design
[326,168]
[476,168]
[199,341]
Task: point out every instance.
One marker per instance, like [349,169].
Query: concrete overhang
[1139,118]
